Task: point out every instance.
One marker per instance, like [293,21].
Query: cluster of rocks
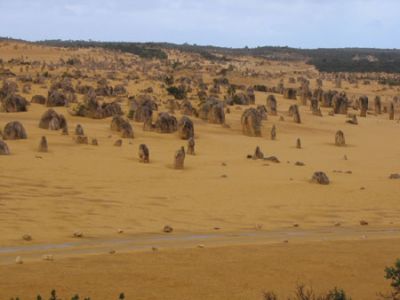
[10,101]
[123,126]
[212,111]
[93,108]
[53,121]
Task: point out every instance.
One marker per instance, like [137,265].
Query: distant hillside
[325,60]
[355,60]
[142,50]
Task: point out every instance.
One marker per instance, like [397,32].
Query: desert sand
[230,272]
[104,190]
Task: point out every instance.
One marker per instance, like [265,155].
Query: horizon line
[191,44]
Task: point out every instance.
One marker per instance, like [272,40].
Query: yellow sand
[243,272]
[98,190]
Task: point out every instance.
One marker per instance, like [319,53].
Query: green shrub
[303,292]
[178,92]
[393,274]
[53,296]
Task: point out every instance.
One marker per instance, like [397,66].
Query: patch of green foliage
[139,49]
[178,92]
[393,274]
[325,60]
[53,296]
[307,293]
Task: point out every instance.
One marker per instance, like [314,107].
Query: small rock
[216,228]
[363,223]
[200,246]
[118,143]
[168,229]
[362,188]
[65,131]
[353,120]
[286,241]
[299,163]
[272,158]
[18,260]
[273,133]
[154,249]
[112,252]
[298,143]
[320,178]
[43,146]
[224,176]
[81,139]
[337,224]
[258,154]
[258,227]
[47,257]
[78,234]
[95,142]
[79,130]
[27,237]
[4,150]
[296,225]
[120,231]
[394,176]
[223,164]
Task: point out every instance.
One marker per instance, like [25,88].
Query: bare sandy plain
[103,190]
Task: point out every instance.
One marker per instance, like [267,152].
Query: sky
[229,23]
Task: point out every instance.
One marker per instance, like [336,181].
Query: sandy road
[125,243]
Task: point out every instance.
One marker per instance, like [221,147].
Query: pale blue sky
[233,23]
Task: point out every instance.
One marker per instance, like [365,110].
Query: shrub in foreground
[303,292]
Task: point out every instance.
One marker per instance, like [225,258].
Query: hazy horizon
[294,23]
[185,43]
